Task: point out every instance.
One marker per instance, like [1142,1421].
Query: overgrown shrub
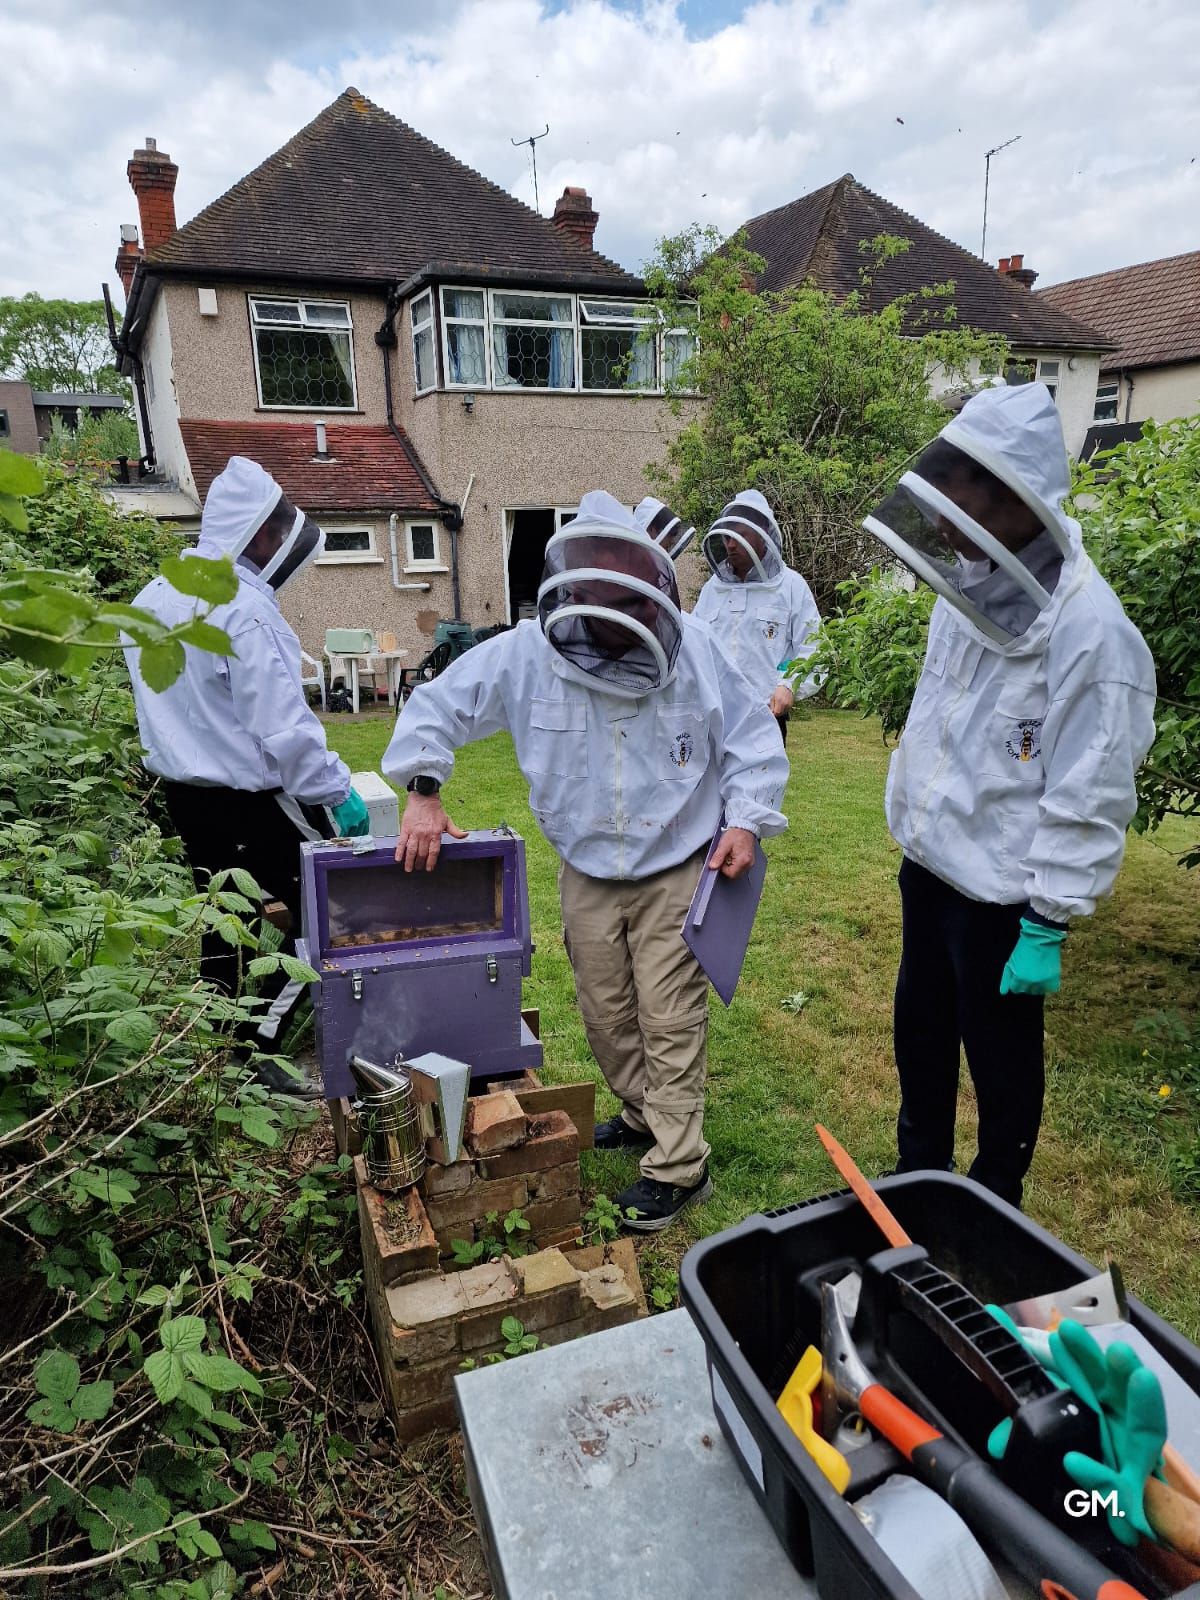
[872,647]
[72,527]
[1140,509]
[99,439]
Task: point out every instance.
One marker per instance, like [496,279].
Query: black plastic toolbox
[753,1294]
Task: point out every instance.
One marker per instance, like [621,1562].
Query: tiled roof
[358,196]
[1151,312]
[367,470]
[817,238]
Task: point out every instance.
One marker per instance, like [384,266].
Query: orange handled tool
[1045,1556]
[880,1215]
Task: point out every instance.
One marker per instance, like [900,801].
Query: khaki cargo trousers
[644,1002]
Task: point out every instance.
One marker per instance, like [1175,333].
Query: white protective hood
[608,601]
[1016,435]
[747,517]
[657,519]
[239,501]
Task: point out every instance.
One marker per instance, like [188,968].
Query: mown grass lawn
[829,927]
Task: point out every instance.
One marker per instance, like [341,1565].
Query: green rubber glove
[1141,1436]
[1035,965]
[350,818]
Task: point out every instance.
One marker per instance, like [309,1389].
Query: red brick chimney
[152,176]
[573,215]
[128,255]
[1014,267]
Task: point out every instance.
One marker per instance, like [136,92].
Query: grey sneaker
[648,1206]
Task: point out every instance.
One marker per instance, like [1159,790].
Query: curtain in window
[562,348]
[466,347]
[641,365]
[341,349]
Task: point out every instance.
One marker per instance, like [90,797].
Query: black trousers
[262,832]
[782,720]
[947,995]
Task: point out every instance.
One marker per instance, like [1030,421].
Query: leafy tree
[815,401]
[872,647]
[98,439]
[1140,509]
[58,344]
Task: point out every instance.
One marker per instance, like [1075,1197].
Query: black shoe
[616,1134]
[655,1205]
[275,1078]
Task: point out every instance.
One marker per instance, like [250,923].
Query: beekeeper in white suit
[762,611]
[663,526]
[246,771]
[635,732]
[1013,783]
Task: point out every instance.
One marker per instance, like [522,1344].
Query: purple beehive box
[419,961]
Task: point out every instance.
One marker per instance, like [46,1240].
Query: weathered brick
[494,1122]
[434,1380]
[427,1301]
[413,1347]
[607,1289]
[555,1142]
[492,1292]
[552,1216]
[421,1420]
[473,1204]
[623,1254]
[393,1250]
[452,1179]
[559,1238]
[543,1271]
[556,1182]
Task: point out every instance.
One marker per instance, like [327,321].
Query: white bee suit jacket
[1014,777]
[239,721]
[622,788]
[762,626]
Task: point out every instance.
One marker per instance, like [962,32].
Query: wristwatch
[424,786]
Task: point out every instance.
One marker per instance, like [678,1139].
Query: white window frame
[411,562]
[1113,384]
[301,302]
[418,328]
[632,321]
[484,322]
[350,558]
[571,327]
[1053,381]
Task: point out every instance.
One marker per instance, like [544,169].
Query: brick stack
[428,1321]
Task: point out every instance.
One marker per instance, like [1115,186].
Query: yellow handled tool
[795,1405]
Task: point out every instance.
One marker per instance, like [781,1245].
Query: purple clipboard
[720,920]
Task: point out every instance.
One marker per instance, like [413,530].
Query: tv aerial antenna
[532,142]
[987,172]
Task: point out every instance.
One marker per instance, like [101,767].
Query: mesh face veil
[664,527]
[743,544]
[947,548]
[609,605]
[303,544]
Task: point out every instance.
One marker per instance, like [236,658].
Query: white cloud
[662,126]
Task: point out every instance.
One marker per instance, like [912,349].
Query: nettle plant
[134,1424]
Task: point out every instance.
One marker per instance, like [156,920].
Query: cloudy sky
[668,111]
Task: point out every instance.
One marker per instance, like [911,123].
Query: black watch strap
[424,786]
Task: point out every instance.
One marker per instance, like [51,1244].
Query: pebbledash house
[432,370]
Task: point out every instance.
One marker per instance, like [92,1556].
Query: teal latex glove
[350,818]
[1142,1433]
[1035,966]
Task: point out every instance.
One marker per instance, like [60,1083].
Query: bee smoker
[399,1106]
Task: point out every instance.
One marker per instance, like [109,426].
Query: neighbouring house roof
[1150,312]
[81,400]
[358,196]
[368,468]
[817,237]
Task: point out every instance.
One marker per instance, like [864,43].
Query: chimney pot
[1015,264]
[574,216]
[1003,267]
[152,176]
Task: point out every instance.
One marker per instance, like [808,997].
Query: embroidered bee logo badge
[770,629]
[1024,742]
[681,749]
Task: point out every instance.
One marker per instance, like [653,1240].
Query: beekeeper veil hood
[608,602]
[979,515]
[663,526]
[744,544]
[241,499]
